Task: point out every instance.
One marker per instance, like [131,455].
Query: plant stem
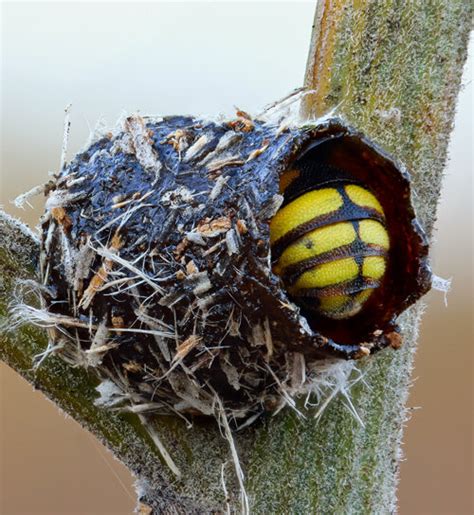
[393,70]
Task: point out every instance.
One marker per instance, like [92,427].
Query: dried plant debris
[157,269]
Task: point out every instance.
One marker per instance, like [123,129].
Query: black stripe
[315,176]
[357,250]
[343,214]
[345,288]
[358,259]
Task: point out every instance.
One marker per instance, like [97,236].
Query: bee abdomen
[330,245]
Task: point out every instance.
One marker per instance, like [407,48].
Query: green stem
[392,69]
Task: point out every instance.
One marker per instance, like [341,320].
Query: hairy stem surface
[391,69]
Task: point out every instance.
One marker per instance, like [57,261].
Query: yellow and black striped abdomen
[330,245]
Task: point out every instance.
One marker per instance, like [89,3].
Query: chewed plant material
[197,265]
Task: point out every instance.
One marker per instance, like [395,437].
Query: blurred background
[202,58]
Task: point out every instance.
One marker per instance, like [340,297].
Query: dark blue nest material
[156,242]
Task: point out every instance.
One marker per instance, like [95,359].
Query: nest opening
[407,271]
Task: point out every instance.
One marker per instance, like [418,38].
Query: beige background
[202,58]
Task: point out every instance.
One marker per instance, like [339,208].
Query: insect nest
[158,271]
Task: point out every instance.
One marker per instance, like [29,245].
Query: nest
[157,271]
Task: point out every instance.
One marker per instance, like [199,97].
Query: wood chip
[117,321]
[181,248]
[101,275]
[243,122]
[241,227]
[196,148]
[61,217]
[211,228]
[179,140]
[142,144]
[186,347]
[259,151]
[132,366]
[191,268]
[218,164]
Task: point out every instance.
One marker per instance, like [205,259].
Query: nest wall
[157,269]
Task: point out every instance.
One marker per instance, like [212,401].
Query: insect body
[329,241]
